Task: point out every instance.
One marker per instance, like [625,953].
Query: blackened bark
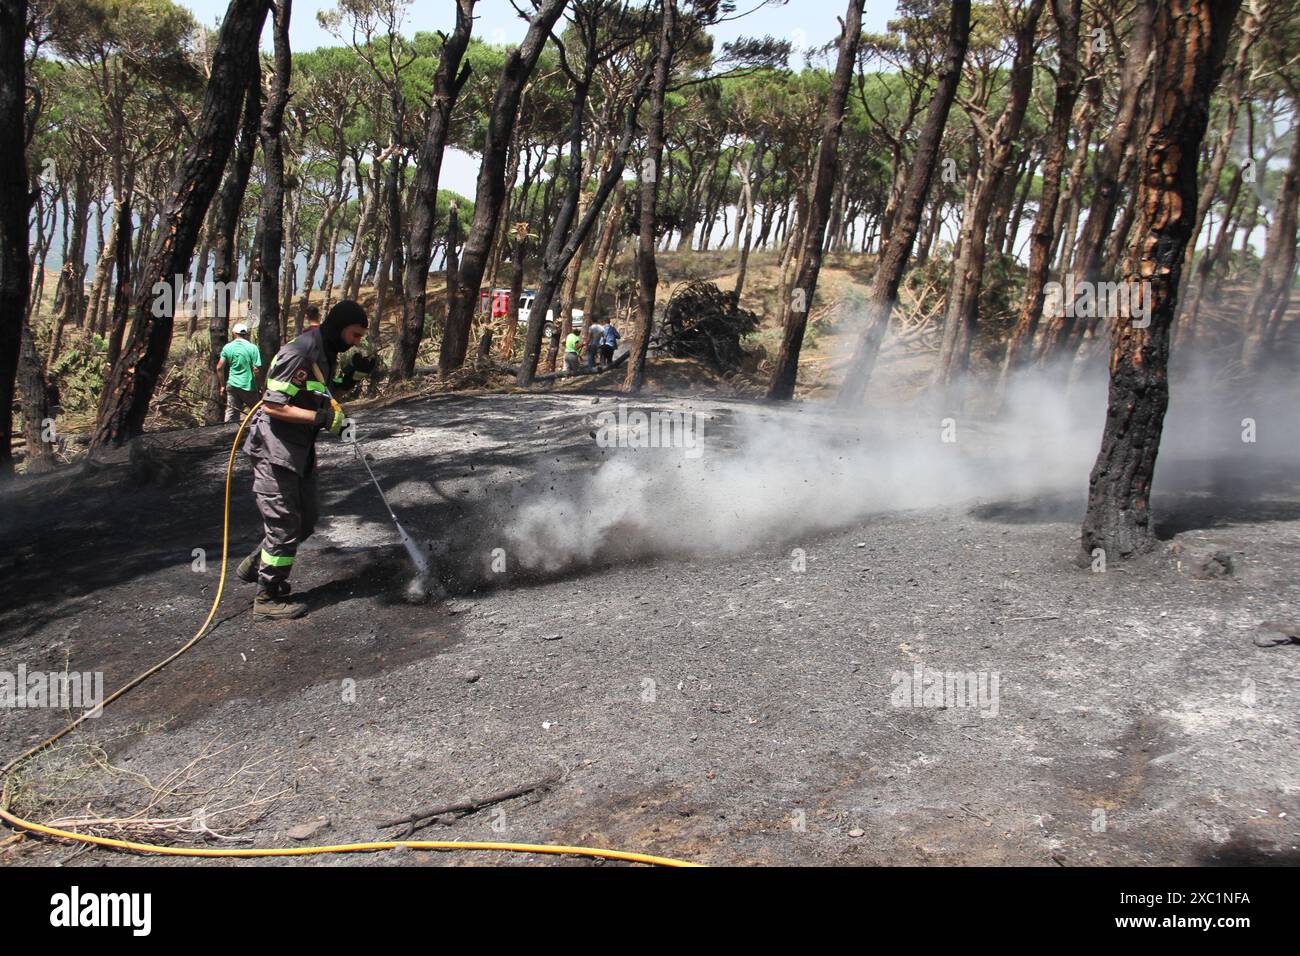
[1191,36]
[1086,265]
[893,261]
[786,369]
[447,83]
[224,259]
[1276,279]
[131,382]
[491,190]
[606,247]
[1043,239]
[968,271]
[647,270]
[451,247]
[31,383]
[15,205]
[270,226]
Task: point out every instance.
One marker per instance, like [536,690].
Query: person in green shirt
[571,353]
[235,372]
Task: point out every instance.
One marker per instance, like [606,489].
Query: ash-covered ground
[713,644]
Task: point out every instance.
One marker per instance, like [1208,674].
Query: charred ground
[725,708]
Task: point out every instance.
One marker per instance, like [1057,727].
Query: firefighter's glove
[332,419]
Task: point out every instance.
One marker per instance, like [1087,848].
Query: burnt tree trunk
[128,392]
[786,370]
[15,206]
[123,288]
[447,83]
[1087,261]
[270,226]
[1191,36]
[968,271]
[893,259]
[224,257]
[1272,291]
[606,248]
[647,270]
[491,189]
[1042,240]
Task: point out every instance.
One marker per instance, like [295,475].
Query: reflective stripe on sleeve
[290,389]
[276,560]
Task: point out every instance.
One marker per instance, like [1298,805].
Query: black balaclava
[343,314]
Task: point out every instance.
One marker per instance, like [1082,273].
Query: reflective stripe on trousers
[288,506]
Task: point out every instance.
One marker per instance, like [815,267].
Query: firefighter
[297,404]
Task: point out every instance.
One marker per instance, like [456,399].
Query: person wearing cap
[236,374]
[301,386]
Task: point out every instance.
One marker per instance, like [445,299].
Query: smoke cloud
[765,475]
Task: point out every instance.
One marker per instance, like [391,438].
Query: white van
[526,307]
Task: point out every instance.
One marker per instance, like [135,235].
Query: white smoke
[803,469]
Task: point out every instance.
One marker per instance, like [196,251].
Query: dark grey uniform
[284,454]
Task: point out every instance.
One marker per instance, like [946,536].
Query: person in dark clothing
[298,403]
[608,343]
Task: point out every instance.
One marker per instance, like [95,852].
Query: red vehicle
[498,300]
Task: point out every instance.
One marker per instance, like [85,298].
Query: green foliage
[1000,299]
[151,35]
[80,370]
[1000,295]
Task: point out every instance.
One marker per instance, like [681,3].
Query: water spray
[418,590]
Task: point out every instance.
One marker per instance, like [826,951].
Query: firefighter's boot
[276,605]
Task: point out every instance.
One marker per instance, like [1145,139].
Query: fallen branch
[422,818]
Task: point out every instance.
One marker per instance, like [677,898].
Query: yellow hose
[19,823]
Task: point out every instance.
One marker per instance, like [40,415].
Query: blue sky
[806,22]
